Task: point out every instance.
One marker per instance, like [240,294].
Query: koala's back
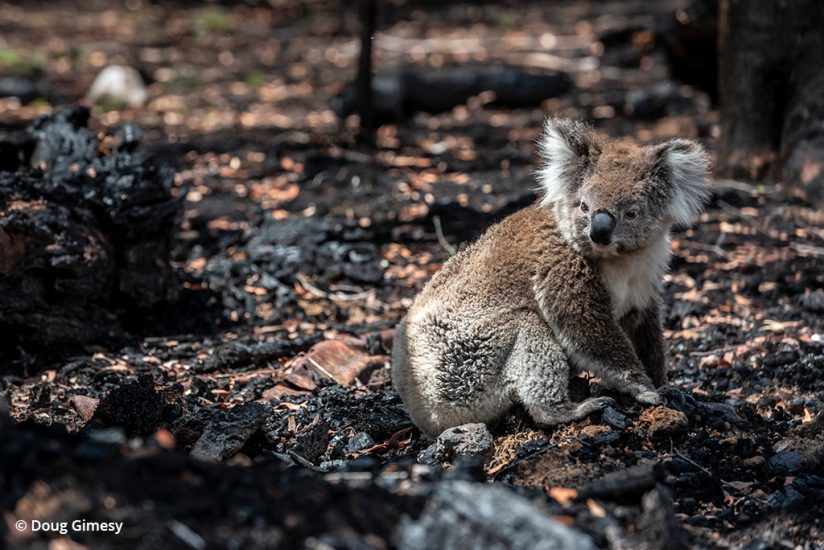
[451,347]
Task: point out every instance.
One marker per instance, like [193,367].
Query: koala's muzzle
[601,227]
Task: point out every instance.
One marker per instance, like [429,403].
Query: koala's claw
[593,404]
[603,402]
[650,397]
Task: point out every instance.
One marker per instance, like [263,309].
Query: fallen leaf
[336,360]
[562,495]
[596,509]
[396,441]
[165,438]
[84,405]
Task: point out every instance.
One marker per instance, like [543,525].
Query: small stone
[786,500]
[767,402]
[225,436]
[332,465]
[465,440]
[785,463]
[615,418]
[359,442]
[429,456]
[722,410]
[662,421]
[813,301]
[119,83]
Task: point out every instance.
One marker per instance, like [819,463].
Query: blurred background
[251,98]
[263,111]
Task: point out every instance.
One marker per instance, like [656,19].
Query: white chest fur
[634,281]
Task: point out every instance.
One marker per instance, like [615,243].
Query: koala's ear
[684,165]
[567,146]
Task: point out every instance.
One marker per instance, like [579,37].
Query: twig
[441,239]
[321,368]
[302,461]
[715,249]
[816,251]
[334,296]
[739,186]
[713,351]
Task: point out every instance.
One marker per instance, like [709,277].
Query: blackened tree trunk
[771,85]
[367,14]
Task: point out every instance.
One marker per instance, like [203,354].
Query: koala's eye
[584,207]
[631,214]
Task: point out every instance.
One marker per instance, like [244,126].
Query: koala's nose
[601,226]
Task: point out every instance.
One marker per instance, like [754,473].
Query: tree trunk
[367,14]
[771,86]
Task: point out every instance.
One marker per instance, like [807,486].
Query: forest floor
[260,411]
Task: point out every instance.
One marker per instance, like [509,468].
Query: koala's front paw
[650,397]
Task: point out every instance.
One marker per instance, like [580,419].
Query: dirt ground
[257,410]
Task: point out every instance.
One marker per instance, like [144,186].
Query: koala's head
[612,197]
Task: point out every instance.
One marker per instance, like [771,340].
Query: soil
[249,402]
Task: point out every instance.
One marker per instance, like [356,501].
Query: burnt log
[84,237]
[771,88]
[397,95]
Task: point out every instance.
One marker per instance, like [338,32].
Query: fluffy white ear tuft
[565,146]
[687,165]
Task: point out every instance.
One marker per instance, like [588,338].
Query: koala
[570,283]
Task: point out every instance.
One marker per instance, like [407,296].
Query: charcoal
[615,419]
[721,410]
[359,441]
[400,94]
[85,240]
[464,515]
[139,407]
[659,529]
[223,437]
[785,463]
[626,484]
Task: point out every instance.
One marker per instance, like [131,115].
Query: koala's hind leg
[537,373]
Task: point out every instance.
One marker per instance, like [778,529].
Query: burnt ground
[254,407]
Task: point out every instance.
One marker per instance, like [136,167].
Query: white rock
[119,83]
